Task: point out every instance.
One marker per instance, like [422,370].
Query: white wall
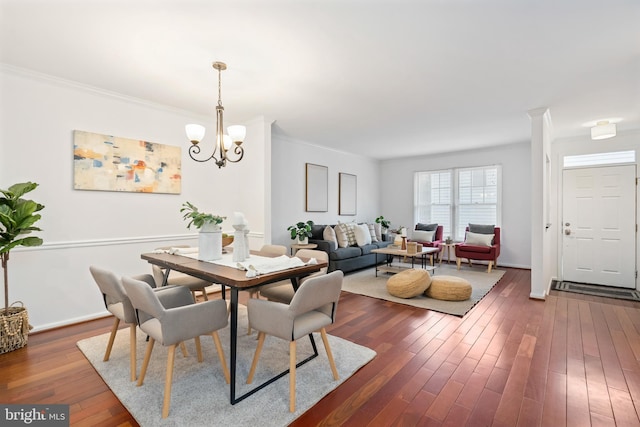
[541,234]
[288,185]
[396,189]
[585,145]
[38,115]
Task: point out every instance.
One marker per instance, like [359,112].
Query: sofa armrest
[323,245]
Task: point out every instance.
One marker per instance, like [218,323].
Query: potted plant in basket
[301,231]
[210,239]
[17,216]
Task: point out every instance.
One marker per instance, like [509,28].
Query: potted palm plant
[301,231]
[210,237]
[17,216]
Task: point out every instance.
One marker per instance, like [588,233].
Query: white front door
[599,226]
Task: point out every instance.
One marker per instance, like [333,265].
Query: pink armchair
[437,241]
[478,252]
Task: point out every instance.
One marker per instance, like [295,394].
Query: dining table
[237,280]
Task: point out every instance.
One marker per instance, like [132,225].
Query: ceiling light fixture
[223,143]
[603,130]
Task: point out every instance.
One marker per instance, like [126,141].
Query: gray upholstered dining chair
[180,279]
[266,250]
[172,326]
[117,303]
[312,308]
[283,292]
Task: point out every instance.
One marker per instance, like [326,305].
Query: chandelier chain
[219,87]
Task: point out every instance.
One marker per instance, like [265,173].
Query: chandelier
[223,142]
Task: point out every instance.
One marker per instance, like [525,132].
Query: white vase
[210,242]
[303,240]
[239,243]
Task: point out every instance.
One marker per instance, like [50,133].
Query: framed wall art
[111,163]
[317,188]
[348,197]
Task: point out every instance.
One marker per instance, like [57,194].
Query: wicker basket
[14,328]
[226,241]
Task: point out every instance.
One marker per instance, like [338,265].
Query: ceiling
[384,78]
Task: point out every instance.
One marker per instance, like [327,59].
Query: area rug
[200,396]
[596,290]
[364,282]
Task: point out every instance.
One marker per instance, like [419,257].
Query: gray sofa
[350,258]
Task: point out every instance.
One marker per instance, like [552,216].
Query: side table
[295,247]
[447,247]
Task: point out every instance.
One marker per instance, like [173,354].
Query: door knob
[567,231]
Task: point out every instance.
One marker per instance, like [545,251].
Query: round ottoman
[449,288]
[409,283]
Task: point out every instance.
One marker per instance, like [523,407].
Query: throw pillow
[341,236]
[372,232]
[351,233]
[426,227]
[478,239]
[330,235]
[423,236]
[378,229]
[482,228]
[361,233]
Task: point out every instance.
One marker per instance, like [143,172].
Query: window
[454,198]
[599,159]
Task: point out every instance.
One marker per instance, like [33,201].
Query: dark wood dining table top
[229,276]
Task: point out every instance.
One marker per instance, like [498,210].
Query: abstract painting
[111,163]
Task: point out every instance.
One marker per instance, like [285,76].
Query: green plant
[197,218]
[384,223]
[300,230]
[17,216]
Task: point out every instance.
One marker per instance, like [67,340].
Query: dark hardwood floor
[572,360]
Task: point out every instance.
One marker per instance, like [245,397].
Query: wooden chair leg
[145,362]
[458,261]
[183,348]
[325,340]
[223,362]
[167,382]
[198,349]
[292,376]
[256,356]
[112,337]
[132,350]
[204,294]
[490,265]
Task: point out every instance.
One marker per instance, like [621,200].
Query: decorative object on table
[226,240]
[317,188]
[210,236]
[348,195]
[412,248]
[301,231]
[448,240]
[111,163]
[241,248]
[223,142]
[17,218]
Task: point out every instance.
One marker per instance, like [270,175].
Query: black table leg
[234,343]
